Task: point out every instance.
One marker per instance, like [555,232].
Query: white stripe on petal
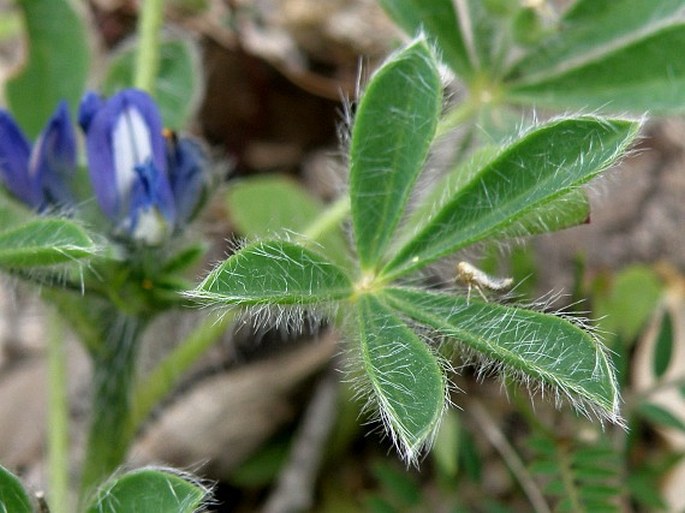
[131,147]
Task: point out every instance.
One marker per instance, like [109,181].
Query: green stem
[113,374]
[58,419]
[165,376]
[457,116]
[329,219]
[147,57]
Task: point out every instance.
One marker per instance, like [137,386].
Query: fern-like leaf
[582,476]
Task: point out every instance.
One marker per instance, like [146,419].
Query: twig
[487,426]
[294,490]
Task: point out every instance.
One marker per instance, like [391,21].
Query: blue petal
[91,103]
[122,135]
[187,165]
[14,161]
[53,160]
[150,215]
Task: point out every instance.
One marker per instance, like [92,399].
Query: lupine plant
[101,229]
[111,256]
[148,185]
[387,315]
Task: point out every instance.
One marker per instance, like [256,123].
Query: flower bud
[39,176]
[187,165]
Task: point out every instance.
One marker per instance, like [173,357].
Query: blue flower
[127,161]
[39,176]
[187,165]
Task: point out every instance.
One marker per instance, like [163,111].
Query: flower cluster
[147,181]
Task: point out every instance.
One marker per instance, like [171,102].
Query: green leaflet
[12,211]
[447,186]
[440,21]
[543,165]
[660,416]
[57,65]
[393,128]
[274,272]
[449,443]
[622,55]
[546,348]
[571,209]
[632,298]
[664,346]
[178,84]
[598,26]
[148,490]
[406,380]
[264,206]
[13,496]
[568,210]
[44,241]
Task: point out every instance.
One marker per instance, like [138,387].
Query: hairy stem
[147,57]
[113,374]
[58,421]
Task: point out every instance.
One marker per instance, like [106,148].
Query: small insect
[473,277]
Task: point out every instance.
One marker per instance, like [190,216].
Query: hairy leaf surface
[148,490]
[528,343]
[568,210]
[44,241]
[274,272]
[406,380]
[540,167]
[393,128]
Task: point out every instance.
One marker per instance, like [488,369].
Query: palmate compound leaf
[274,272]
[549,350]
[13,496]
[543,165]
[623,55]
[407,383]
[393,129]
[44,241]
[147,490]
